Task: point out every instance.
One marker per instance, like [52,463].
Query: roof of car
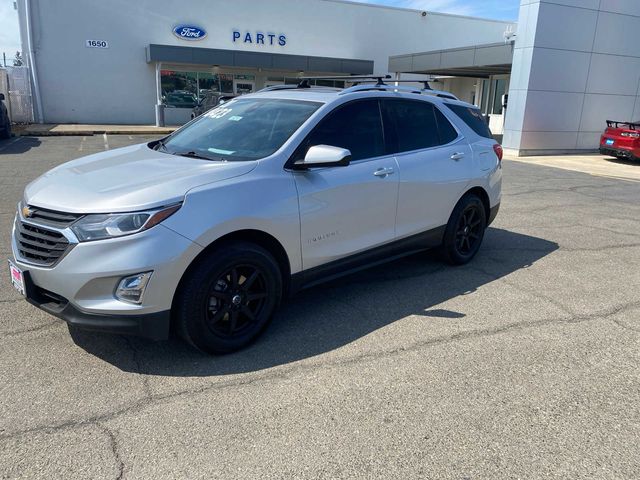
[314,94]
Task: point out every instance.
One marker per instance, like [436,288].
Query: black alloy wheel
[469,230]
[227,298]
[465,230]
[236,300]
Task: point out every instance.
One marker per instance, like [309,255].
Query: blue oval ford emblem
[189,32]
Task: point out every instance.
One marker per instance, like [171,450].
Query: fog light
[131,289]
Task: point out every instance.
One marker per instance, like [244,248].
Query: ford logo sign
[189,32]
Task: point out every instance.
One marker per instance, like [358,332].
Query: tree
[17,61]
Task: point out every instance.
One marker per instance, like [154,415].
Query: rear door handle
[383,172]
[457,156]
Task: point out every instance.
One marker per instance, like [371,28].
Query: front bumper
[81,287]
[154,326]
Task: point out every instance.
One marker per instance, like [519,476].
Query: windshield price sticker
[97,44]
[218,112]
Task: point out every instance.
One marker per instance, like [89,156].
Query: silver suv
[210,228]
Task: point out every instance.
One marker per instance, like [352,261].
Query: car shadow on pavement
[16,145]
[330,316]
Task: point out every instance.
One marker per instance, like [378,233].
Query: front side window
[356,126]
[242,129]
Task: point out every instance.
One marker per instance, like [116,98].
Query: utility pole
[4,59]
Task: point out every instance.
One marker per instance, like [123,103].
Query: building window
[500,88]
[186,89]
[492,92]
[179,89]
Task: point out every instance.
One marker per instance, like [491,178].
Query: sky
[498,9]
[9,33]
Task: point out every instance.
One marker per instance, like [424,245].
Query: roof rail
[279,87]
[440,93]
[363,83]
[365,87]
[398,88]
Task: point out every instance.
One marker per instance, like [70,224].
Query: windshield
[242,129]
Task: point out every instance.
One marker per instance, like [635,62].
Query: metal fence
[15,84]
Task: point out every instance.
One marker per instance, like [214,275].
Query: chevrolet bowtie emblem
[26,212]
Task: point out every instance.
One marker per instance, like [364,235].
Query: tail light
[630,134]
[498,149]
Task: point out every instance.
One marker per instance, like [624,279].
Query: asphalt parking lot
[523,364]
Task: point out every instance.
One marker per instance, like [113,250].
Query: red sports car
[621,140]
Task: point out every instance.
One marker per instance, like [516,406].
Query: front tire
[465,230]
[228,299]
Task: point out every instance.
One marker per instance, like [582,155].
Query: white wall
[115,85]
[576,64]
[463,88]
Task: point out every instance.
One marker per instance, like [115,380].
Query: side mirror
[1,96]
[324,156]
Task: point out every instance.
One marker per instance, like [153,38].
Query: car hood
[126,179]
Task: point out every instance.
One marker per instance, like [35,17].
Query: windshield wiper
[192,154]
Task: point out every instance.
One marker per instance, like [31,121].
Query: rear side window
[415,125]
[355,126]
[473,118]
[447,133]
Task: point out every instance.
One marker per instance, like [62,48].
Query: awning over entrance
[275,61]
[479,61]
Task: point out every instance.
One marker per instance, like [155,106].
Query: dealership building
[547,82]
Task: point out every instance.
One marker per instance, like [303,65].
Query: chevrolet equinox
[209,229]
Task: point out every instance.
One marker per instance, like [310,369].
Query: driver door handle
[383,172]
[457,156]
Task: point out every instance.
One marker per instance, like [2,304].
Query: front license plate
[609,141]
[17,278]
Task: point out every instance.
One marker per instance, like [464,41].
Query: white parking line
[9,143]
[106,142]
[81,147]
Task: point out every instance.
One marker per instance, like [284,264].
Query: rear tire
[465,230]
[228,299]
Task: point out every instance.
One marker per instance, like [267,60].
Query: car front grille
[39,245]
[51,218]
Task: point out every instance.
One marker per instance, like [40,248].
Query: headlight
[99,226]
